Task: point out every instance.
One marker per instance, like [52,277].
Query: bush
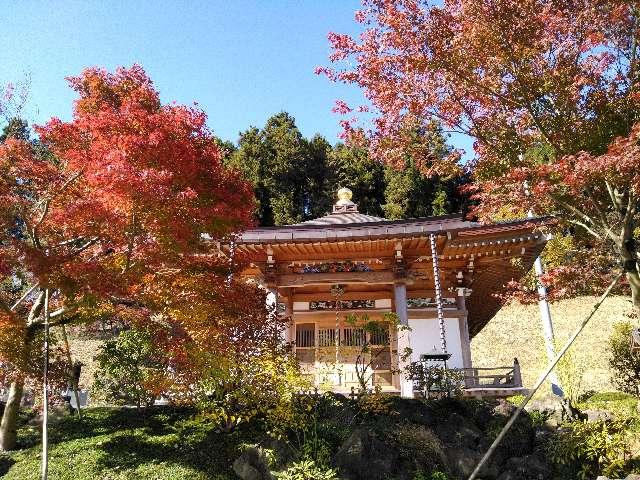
[592,448]
[313,425]
[436,379]
[125,369]
[233,390]
[306,470]
[570,374]
[624,363]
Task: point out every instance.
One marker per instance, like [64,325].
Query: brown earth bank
[516,331]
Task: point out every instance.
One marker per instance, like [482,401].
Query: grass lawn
[118,444]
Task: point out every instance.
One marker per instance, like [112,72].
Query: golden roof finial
[345,194]
[344,203]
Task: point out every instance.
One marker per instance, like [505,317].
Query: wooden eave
[485,254]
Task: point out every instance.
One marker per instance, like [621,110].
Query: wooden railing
[497,377]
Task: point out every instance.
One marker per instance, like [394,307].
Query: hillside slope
[516,332]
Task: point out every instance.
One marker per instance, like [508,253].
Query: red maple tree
[547,89]
[118,211]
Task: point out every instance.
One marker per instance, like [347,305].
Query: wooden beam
[348,295]
[293,280]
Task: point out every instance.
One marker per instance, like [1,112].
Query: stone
[279,452]
[246,471]
[528,467]
[558,410]
[597,415]
[463,461]
[459,431]
[413,410]
[364,455]
[5,464]
[252,465]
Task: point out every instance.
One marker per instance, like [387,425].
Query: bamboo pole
[543,377]
[74,384]
[24,297]
[45,392]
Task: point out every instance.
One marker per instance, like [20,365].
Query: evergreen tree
[16,128]
[352,168]
[296,179]
[410,193]
[320,189]
[289,173]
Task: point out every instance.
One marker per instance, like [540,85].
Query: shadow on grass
[133,438]
[104,421]
[193,444]
[5,464]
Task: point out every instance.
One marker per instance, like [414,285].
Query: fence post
[517,375]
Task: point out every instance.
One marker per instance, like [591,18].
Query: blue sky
[240,60]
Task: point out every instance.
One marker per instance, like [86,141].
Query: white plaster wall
[425,333]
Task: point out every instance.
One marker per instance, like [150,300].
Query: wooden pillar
[272,309]
[463,324]
[464,328]
[404,340]
[290,331]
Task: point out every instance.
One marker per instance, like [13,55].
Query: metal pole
[545,314]
[543,377]
[45,392]
[547,326]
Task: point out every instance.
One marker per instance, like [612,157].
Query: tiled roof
[342,219]
[343,226]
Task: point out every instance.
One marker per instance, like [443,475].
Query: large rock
[457,430]
[519,440]
[5,463]
[414,411]
[364,455]
[557,410]
[529,467]
[257,461]
[463,461]
[253,464]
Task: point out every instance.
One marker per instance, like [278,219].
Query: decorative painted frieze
[332,267]
[342,305]
[430,303]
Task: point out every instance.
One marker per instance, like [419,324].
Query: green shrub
[306,470]
[375,403]
[619,404]
[435,475]
[233,390]
[570,373]
[624,364]
[125,369]
[592,448]
[434,379]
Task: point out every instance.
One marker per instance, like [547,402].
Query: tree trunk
[9,424]
[634,283]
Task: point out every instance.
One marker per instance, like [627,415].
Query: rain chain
[436,280]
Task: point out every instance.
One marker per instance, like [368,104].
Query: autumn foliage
[548,91]
[121,214]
